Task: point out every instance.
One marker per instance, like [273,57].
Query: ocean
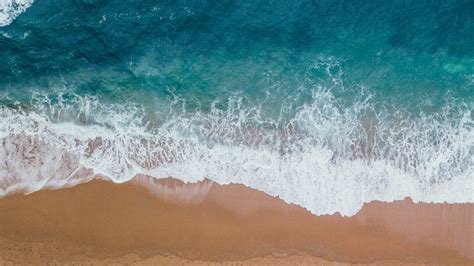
[325,104]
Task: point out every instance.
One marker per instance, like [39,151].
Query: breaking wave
[10,9]
[328,157]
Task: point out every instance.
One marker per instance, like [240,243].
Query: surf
[327,158]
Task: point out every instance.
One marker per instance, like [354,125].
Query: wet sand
[168,222]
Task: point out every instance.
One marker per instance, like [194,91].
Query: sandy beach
[322,132]
[166,222]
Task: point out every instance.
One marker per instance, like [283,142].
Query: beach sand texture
[168,222]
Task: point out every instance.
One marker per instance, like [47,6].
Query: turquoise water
[327,104]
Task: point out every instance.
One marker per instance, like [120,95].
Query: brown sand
[168,222]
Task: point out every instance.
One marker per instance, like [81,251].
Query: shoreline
[166,219]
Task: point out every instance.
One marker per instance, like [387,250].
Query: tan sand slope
[146,219]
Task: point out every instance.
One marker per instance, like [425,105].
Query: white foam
[11,9]
[327,158]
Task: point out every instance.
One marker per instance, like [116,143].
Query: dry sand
[146,221]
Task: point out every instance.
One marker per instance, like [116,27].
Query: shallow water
[327,104]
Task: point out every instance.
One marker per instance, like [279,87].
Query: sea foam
[11,9]
[328,157]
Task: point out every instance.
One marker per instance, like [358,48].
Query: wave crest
[11,9]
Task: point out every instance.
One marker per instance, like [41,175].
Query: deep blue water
[383,89]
